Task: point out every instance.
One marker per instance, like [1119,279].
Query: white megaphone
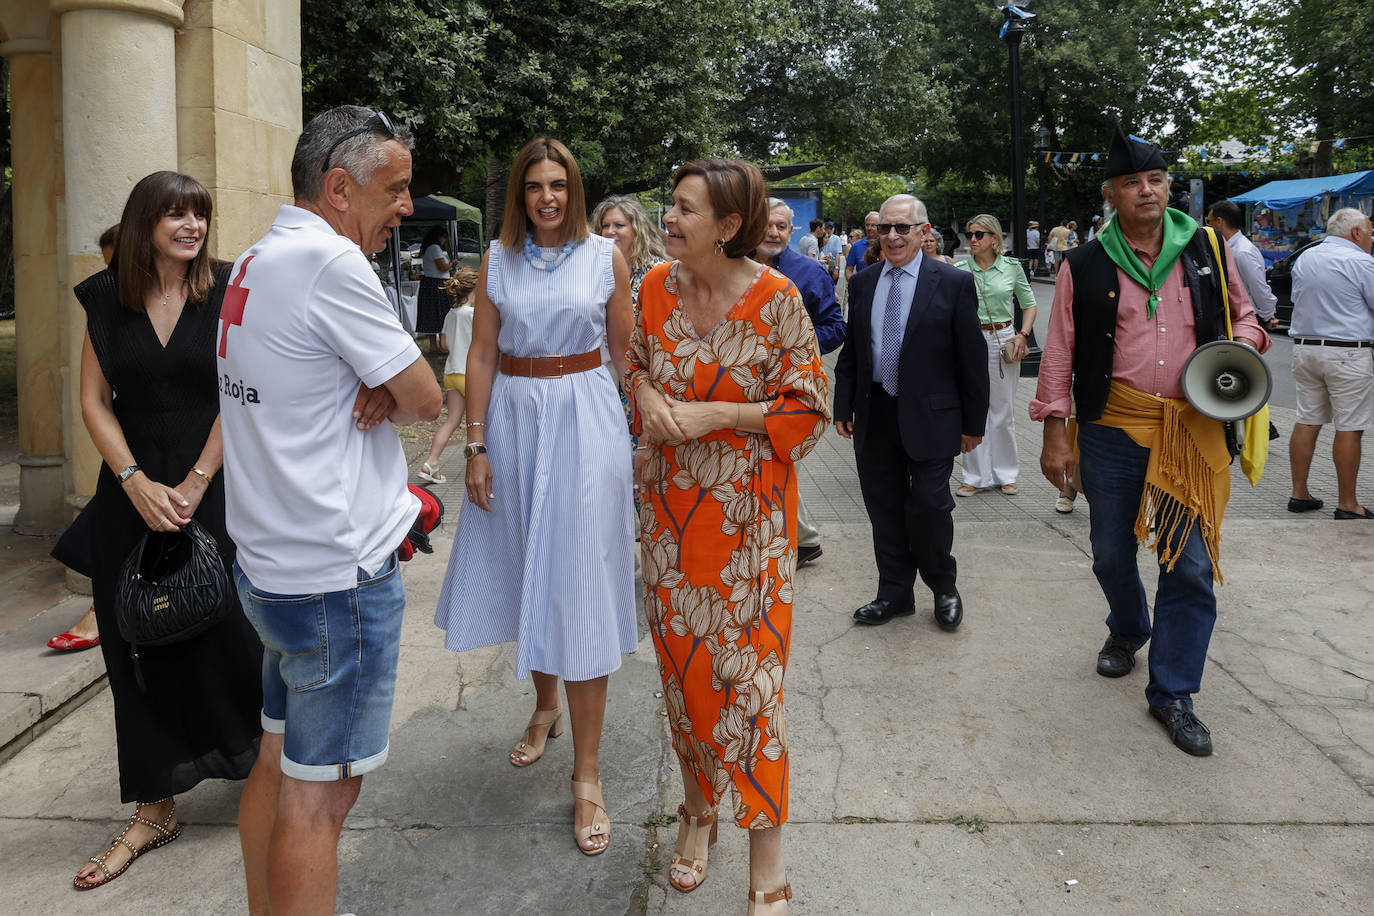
[1226,380]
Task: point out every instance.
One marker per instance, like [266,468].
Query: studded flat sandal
[601,822]
[761,903]
[693,838]
[544,724]
[165,834]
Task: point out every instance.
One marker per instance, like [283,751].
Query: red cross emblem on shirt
[231,311]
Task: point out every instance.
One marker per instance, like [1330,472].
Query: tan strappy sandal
[692,837]
[601,822]
[544,724]
[761,904]
[165,835]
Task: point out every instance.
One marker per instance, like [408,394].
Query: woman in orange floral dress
[730,393]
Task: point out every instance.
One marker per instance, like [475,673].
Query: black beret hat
[1128,155]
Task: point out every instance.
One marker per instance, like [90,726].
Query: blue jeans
[1113,472]
[329,672]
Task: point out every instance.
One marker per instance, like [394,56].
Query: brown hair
[734,186]
[461,285]
[152,198]
[513,226]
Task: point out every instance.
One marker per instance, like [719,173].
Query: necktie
[892,335]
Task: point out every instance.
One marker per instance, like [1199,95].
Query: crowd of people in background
[653,390]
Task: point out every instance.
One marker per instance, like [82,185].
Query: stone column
[119,122]
[42,486]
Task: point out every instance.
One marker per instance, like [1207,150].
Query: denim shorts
[329,672]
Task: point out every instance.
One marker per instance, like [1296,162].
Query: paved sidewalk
[974,772]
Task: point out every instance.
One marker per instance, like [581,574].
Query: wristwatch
[128,472]
[474,449]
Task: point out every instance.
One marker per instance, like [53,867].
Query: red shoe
[66,642]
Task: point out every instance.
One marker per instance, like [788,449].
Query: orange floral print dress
[719,538]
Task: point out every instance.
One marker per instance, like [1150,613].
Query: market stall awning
[1284,195]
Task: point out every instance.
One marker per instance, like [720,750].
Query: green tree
[1083,62]
[478,79]
[1307,66]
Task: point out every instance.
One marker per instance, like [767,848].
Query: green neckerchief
[1179,228]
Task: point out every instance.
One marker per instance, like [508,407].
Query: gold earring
[720,246]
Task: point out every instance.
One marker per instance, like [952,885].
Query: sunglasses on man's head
[378,121]
[899,228]
[978,234]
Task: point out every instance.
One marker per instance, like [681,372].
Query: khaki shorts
[1334,383]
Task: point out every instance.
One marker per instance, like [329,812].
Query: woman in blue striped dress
[543,556]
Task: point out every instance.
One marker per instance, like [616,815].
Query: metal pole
[1018,155]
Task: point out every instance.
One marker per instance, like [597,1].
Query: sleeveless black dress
[197,715]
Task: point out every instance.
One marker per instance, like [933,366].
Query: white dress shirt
[1250,264]
[1333,292]
[880,294]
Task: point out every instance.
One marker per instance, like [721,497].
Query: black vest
[1095,299]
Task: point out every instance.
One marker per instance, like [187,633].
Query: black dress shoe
[1303,505]
[1185,728]
[807,554]
[1117,657]
[949,610]
[880,610]
[1344,514]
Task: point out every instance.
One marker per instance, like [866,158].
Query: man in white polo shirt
[314,369]
[1333,370]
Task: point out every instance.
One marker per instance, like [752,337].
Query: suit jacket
[942,387]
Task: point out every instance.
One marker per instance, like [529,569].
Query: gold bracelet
[199,473]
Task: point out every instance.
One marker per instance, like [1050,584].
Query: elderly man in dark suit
[911,389]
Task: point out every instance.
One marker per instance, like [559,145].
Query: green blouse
[996,286]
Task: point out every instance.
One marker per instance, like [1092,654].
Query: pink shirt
[1148,353]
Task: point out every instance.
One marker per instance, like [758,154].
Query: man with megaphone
[1129,308]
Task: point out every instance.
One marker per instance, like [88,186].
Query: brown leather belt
[550,366]
[996,327]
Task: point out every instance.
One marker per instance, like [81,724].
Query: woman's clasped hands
[671,422]
[162,507]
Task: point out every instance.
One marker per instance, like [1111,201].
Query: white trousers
[993,463]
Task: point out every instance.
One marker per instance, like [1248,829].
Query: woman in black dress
[150,400]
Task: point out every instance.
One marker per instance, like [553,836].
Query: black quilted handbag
[172,587]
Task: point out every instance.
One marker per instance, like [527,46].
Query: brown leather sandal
[761,903]
[544,724]
[692,836]
[165,835]
[601,821]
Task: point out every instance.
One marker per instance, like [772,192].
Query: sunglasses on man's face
[978,234]
[379,121]
[899,228]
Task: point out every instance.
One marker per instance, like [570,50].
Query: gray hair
[1344,221]
[920,209]
[873,213]
[360,156]
[775,202]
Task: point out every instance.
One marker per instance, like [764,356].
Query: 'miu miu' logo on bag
[162,602]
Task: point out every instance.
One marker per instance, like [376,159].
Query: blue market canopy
[1285,195]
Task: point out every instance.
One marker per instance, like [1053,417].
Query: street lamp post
[1013,27]
[1042,143]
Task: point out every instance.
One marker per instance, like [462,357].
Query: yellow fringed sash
[1188,463]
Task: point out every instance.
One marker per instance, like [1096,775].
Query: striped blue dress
[551,567]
